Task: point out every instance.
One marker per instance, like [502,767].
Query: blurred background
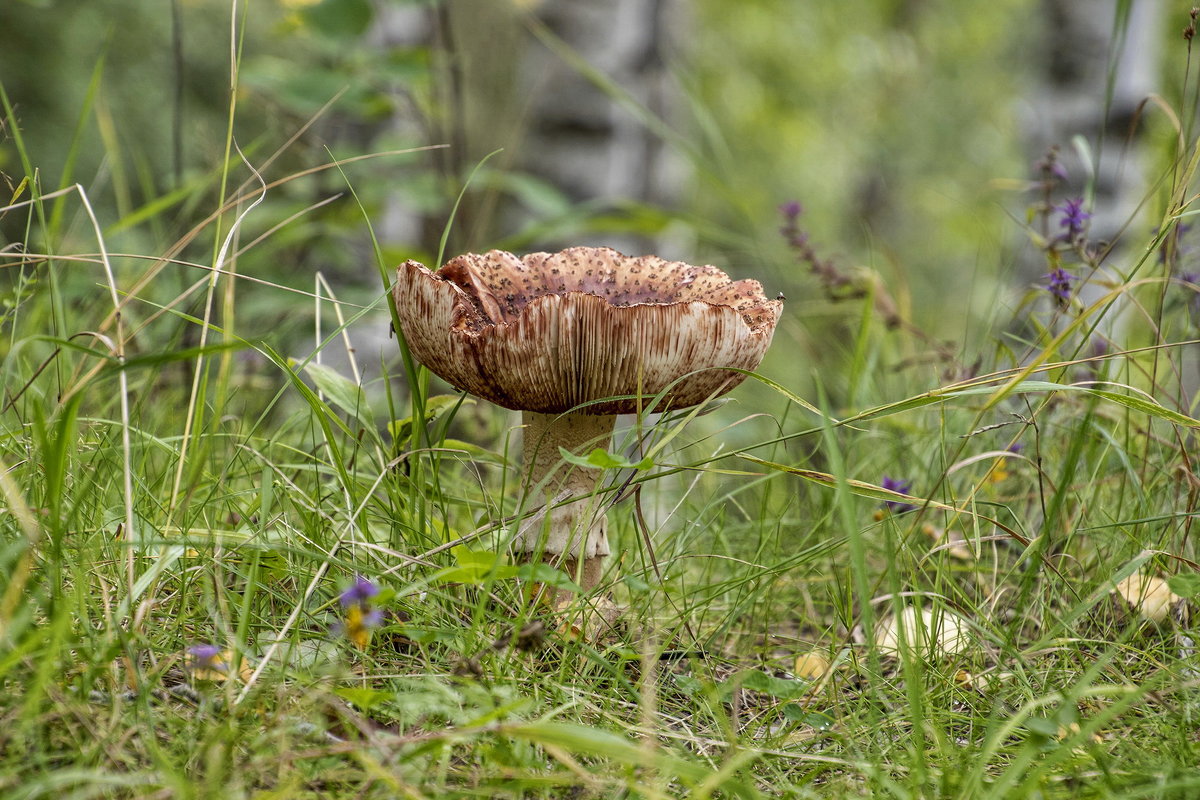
[907,130]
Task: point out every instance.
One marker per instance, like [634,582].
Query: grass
[171,479]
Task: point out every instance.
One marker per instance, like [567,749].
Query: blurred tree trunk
[1099,62]
[578,137]
[498,85]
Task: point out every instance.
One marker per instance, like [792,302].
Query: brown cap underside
[551,331]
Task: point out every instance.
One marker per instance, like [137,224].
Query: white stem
[576,529]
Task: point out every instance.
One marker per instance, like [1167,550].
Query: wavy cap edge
[562,350]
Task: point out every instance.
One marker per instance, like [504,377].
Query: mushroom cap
[550,331]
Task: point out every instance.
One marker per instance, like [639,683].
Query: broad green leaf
[341,391]
[813,719]
[1042,726]
[634,583]
[435,407]
[1185,584]
[365,699]
[476,567]
[542,572]
[687,684]
[473,575]
[476,452]
[339,18]
[466,557]
[602,459]
[759,681]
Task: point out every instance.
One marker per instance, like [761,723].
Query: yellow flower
[360,617]
[359,621]
[999,471]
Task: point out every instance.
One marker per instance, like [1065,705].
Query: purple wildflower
[900,486]
[1050,167]
[360,618]
[836,284]
[204,652]
[796,238]
[358,594]
[1073,217]
[206,658]
[791,210]
[1059,284]
[1015,447]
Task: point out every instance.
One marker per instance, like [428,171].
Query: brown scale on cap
[501,285]
[552,330]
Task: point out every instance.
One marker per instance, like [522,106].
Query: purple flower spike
[1050,167]
[796,238]
[1073,216]
[358,594]
[901,486]
[1059,284]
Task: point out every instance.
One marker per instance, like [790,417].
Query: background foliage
[246,555]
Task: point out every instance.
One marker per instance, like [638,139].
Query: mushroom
[571,339]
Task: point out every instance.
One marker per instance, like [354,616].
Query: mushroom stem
[571,528]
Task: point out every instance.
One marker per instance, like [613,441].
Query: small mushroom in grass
[927,632]
[550,334]
[1150,597]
